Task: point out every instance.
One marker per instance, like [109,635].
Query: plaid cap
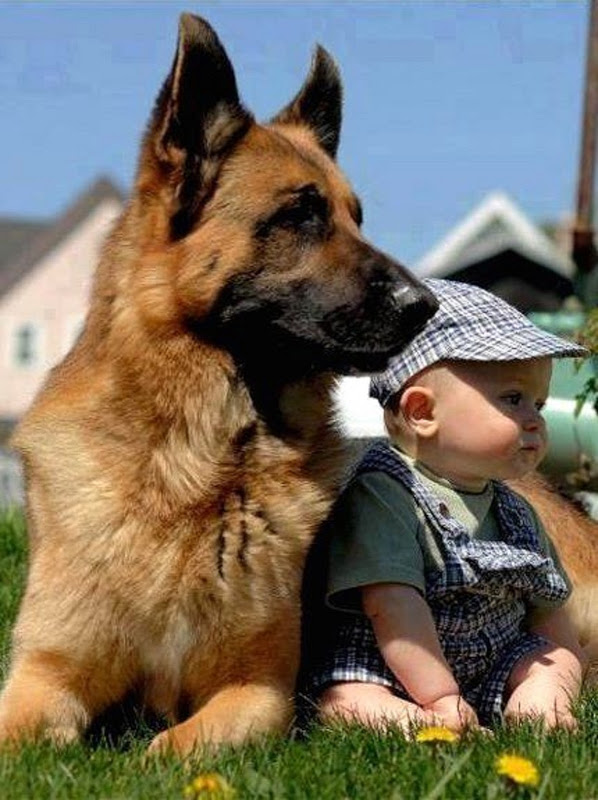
[471,324]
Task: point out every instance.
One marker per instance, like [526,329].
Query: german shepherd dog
[180,459]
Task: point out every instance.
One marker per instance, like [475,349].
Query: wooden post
[584,249]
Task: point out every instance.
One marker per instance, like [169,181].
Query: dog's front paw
[161,744]
[177,741]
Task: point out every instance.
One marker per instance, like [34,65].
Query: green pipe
[573,440]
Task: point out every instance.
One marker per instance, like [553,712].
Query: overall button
[444,510]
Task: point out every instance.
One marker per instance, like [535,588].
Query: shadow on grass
[124,726]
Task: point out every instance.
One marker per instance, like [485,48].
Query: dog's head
[253,233]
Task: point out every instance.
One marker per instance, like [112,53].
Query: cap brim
[520,344]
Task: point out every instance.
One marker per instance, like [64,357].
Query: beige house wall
[53,298]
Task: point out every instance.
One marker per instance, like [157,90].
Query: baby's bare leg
[371,705]
[543,685]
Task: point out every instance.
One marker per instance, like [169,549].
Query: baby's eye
[512,398]
[540,405]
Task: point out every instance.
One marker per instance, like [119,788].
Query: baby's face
[489,417]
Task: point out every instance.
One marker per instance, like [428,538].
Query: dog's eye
[306,210]
[307,213]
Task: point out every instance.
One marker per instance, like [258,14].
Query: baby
[447,593]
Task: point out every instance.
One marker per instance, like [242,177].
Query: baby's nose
[533,420]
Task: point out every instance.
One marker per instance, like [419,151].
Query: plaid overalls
[478,599]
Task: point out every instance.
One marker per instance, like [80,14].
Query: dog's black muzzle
[352,323]
[378,320]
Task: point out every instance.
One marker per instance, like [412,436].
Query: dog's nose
[415,301]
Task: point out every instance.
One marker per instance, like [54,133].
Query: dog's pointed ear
[198,117]
[318,103]
[198,110]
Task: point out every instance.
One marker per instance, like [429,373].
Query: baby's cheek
[511,431]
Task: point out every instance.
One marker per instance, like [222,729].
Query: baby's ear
[418,407]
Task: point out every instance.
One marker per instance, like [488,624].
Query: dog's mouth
[300,333]
[362,339]
[339,355]
[369,337]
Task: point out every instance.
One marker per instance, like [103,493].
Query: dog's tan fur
[575,536]
[175,476]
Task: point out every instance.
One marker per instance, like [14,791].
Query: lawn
[324,764]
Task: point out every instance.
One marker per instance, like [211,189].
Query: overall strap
[515,517]
[381,457]
[516,559]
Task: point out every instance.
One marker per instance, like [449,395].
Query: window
[26,345]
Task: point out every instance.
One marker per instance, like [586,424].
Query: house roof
[24,242]
[494,226]
[15,234]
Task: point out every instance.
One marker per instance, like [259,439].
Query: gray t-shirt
[380,535]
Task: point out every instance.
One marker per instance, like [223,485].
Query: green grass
[326,764]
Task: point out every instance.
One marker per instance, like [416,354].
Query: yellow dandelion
[520,770]
[209,784]
[436,733]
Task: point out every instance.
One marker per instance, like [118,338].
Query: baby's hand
[454,712]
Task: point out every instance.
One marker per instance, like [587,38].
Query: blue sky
[444,101]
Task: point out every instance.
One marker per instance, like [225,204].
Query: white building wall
[53,298]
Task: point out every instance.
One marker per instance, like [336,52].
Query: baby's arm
[545,683]
[408,641]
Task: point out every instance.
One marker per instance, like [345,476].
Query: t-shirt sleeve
[548,549]
[374,539]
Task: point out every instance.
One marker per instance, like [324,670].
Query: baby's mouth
[532,449]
